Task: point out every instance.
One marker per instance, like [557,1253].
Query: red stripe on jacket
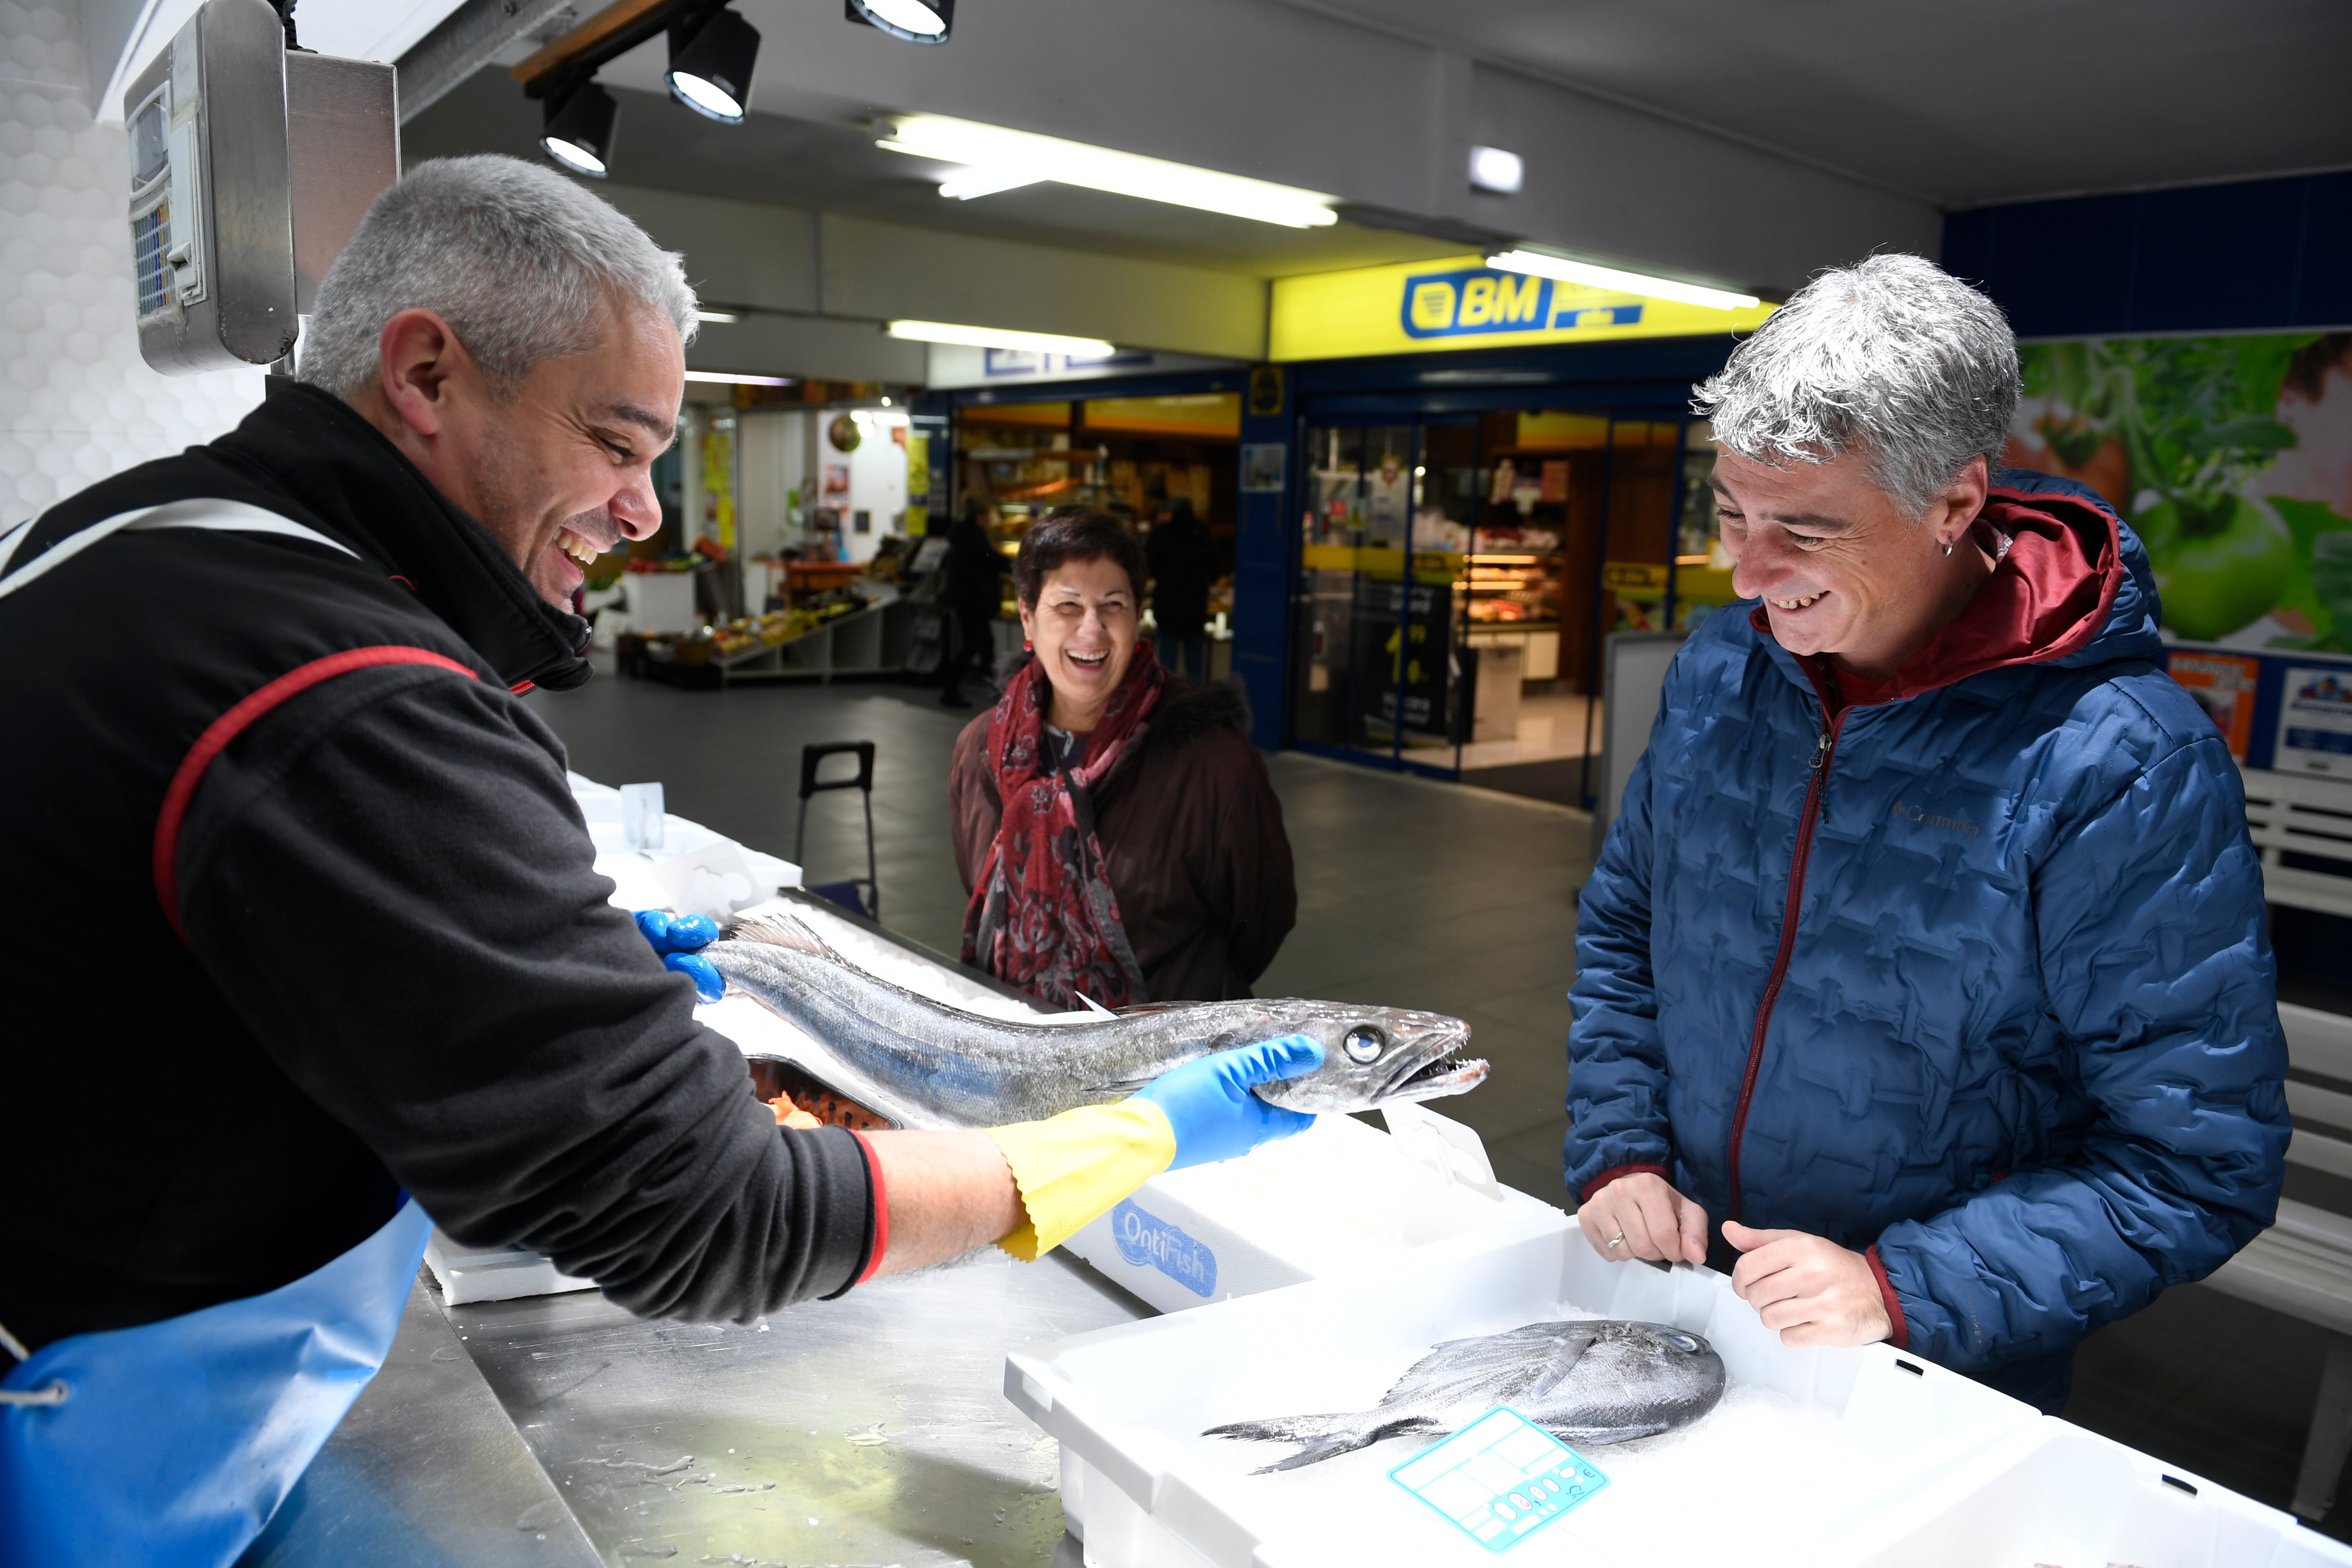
[235,722]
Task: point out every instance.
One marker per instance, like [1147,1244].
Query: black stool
[812,759]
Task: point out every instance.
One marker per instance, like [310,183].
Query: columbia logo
[1926,818]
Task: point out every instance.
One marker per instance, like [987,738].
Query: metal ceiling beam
[465,40]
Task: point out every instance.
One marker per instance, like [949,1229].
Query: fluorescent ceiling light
[1492,169]
[728,378]
[998,338]
[1560,267]
[722,317]
[966,184]
[1000,159]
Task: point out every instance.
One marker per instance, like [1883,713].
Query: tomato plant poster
[2230,458]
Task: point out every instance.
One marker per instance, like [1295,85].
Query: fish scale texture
[77,403]
[2028,1040]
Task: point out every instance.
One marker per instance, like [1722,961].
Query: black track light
[917,21]
[578,132]
[710,65]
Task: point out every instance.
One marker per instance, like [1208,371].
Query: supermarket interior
[1723,634]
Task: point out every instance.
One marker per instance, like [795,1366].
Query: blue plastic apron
[170,1444]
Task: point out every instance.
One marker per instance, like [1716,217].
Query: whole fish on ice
[1594,1382]
[947,1068]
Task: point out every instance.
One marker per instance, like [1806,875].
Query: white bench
[2302,814]
[2303,1265]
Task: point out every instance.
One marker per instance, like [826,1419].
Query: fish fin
[1601,1436]
[1562,1362]
[1280,1428]
[1324,1436]
[784,931]
[1096,1008]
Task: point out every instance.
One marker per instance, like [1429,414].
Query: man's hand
[1808,1287]
[681,939]
[1642,1216]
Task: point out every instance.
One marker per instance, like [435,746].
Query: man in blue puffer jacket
[1926,953]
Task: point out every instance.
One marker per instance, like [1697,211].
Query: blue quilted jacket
[1975,978]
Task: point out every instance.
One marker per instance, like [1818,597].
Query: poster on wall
[2223,685]
[2231,457]
[2316,722]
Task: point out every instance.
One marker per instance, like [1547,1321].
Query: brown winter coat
[1191,838]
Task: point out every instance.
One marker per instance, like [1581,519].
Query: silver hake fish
[1595,1382]
[945,1068]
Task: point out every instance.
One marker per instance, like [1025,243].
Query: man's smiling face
[1839,566]
[560,469]
[567,468]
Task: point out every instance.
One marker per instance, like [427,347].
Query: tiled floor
[1411,894]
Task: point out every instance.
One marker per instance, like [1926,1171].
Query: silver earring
[1947,547]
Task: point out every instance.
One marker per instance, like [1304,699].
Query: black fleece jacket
[361,949]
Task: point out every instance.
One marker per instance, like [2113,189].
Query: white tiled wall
[77,403]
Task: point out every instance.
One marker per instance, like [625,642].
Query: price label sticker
[1500,1478]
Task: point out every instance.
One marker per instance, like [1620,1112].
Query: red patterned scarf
[1043,916]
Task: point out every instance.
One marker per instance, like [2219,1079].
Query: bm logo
[1467,303]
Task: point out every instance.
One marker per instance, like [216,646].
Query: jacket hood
[2073,588]
[364,489]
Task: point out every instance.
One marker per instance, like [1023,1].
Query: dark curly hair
[1070,534]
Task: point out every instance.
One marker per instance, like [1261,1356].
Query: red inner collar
[2048,597]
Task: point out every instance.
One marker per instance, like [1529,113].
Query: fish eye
[1683,1343]
[1364,1045]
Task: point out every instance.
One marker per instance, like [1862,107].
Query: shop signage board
[2316,722]
[2223,685]
[1427,307]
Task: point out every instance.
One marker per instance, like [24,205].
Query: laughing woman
[1113,824]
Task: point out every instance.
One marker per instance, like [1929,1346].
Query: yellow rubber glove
[1073,1166]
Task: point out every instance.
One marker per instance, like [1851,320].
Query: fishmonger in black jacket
[317,922]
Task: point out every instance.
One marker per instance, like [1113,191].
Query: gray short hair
[1893,357]
[515,257]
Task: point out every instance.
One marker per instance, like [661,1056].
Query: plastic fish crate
[1340,1196]
[2059,1496]
[1806,1446]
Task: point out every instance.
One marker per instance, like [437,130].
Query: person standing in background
[975,570]
[1182,555]
[1115,829]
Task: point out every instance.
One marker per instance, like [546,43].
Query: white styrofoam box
[494,1274]
[77,403]
[637,878]
[1339,1196]
[1804,1443]
[2057,1495]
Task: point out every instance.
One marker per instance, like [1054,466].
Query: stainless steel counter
[559,1431]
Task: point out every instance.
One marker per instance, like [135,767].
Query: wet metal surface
[872,1429]
[426,1469]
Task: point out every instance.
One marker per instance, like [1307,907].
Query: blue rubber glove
[1210,1108]
[679,939]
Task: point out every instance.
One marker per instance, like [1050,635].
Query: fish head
[1373,1056]
[1670,1367]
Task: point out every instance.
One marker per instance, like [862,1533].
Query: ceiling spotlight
[1543,265]
[1000,338]
[730,378]
[1493,169]
[725,317]
[917,21]
[711,64]
[578,131]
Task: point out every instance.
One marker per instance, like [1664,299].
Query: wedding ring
[1617,1240]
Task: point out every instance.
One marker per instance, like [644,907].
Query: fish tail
[1324,1436]
[784,931]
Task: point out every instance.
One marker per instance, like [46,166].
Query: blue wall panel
[2255,256]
